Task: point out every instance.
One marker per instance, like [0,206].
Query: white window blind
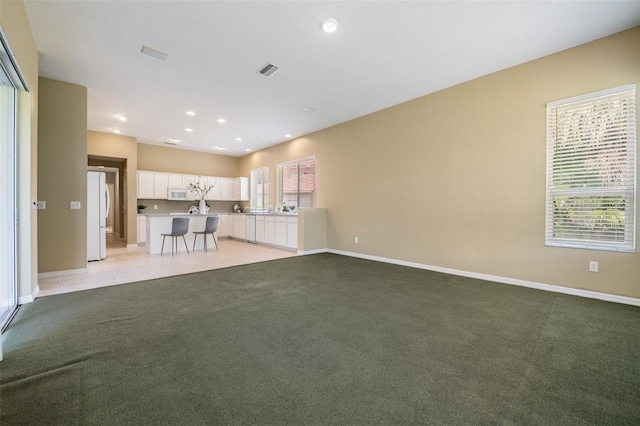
[591,171]
[297,183]
[260,189]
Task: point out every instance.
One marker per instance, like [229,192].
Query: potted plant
[141,208]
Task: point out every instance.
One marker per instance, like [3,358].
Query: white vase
[203,207]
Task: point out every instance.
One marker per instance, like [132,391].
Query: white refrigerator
[97,211]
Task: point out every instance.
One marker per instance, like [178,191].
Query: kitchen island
[304,232]
[160,223]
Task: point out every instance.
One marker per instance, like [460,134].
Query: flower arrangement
[200,189]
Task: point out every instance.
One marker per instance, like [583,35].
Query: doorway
[115,173]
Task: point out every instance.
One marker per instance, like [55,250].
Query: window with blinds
[297,183]
[591,171]
[259,189]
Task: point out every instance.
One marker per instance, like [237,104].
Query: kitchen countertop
[162,214]
[165,213]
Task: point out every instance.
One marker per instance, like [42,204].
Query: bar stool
[209,228]
[179,227]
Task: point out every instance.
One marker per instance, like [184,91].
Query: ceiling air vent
[170,143]
[154,53]
[268,70]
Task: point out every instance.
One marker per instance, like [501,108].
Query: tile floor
[125,265]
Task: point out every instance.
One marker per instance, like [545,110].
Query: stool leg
[162,249]
[195,237]
[185,244]
[214,240]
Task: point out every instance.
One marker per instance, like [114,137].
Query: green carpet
[321,339]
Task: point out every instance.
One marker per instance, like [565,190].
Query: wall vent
[170,143]
[268,70]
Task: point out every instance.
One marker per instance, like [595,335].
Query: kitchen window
[260,189]
[591,171]
[297,183]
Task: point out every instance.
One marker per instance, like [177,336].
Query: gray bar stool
[209,228]
[179,227]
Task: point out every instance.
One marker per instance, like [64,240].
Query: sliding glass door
[8,280]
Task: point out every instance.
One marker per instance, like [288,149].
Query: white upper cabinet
[156,184]
[226,189]
[146,185]
[160,184]
[214,194]
[175,180]
[241,189]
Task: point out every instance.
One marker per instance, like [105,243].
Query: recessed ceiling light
[188,129]
[329,25]
[116,130]
[219,148]
[221,120]
[121,117]
[248,149]
[191,113]
[308,109]
[287,135]
[154,53]
[238,139]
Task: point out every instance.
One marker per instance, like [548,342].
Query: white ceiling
[384,53]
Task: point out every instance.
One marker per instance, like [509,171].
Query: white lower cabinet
[142,230]
[292,232]
[270,229]
[277,230]
[224,226]
[260,229]
[239,227]
[281,231]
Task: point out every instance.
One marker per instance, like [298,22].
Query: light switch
[75,205]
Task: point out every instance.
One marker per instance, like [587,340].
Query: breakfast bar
[160,223]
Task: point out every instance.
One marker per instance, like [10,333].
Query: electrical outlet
[41,205]
[593,266]
[355,240]
[75,205]
[155,207]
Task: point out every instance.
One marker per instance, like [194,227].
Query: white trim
[28,299]
[56,274]
[504,280]
[133,245]
[593,95]
[316,251]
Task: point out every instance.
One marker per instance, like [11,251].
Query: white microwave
[177,193]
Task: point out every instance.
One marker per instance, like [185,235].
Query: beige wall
[62,176]
[456,179]
[171,160]
[110,146]
[15,25]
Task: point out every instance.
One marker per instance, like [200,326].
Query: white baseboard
[28,299]
[316,251]
[132,245]
[55,274]
[504,280]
